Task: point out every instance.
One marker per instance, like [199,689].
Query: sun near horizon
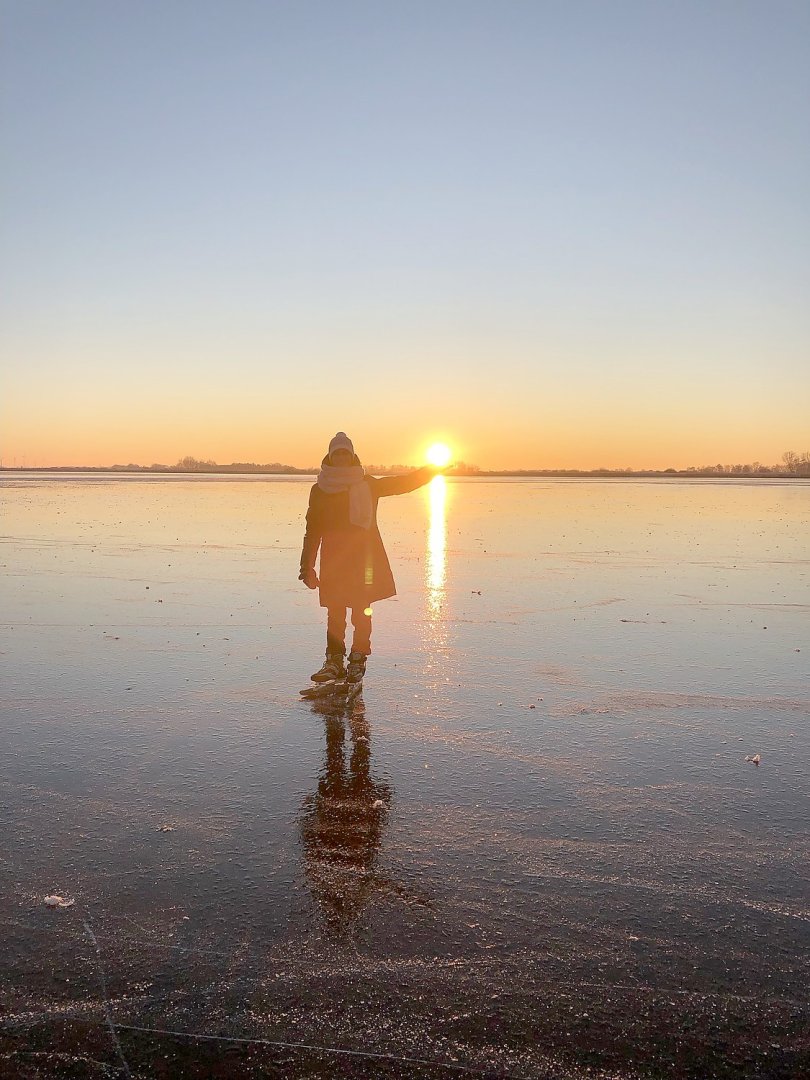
[439,454]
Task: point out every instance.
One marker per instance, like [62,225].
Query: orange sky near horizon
[636,435]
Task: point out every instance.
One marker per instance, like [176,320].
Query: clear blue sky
[552,232]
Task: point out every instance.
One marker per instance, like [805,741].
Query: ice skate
[355,673]
[333,669]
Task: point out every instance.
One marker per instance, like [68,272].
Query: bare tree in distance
[797,464]
[192,464]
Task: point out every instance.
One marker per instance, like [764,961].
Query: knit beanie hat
[341,441]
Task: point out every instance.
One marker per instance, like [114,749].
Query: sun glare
[439,454]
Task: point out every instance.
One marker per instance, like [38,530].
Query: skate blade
[320,689]
[354,690]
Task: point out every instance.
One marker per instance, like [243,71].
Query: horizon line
[800,468]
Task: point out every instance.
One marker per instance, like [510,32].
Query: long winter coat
[354,568]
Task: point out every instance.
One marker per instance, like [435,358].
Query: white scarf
[351,478]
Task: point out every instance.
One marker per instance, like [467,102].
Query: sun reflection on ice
[437,655]
[436,564]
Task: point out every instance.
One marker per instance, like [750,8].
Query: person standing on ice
[354,568]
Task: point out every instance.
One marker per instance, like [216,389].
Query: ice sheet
[535,847]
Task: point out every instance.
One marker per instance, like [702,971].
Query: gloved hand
[309,578]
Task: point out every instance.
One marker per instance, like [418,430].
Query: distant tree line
[192,464]
[792,464]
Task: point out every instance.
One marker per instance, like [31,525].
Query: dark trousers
[336,630]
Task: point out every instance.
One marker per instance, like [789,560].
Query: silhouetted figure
[354,568]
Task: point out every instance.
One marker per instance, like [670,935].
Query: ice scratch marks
[792,609]
[633,700]
[106,1001]
[73,1010]
[777,909]
[366,1054]
[576,606]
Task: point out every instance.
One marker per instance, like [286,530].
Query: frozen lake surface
[534,849]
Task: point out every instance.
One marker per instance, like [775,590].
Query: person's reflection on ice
[342,824]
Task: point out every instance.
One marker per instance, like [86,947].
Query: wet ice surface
[597,886]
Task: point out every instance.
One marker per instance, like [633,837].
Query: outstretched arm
[401,485]
[312,541]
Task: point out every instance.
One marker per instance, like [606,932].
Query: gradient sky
[557,233]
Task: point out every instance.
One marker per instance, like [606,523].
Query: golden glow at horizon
[439,454]
[95,432]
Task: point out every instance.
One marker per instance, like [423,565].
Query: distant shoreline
[570,474]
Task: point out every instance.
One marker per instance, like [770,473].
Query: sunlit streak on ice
[436,565]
